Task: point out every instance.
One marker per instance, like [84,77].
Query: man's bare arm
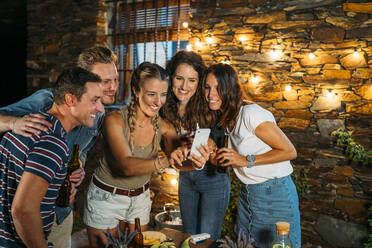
[26,125]
[26,209]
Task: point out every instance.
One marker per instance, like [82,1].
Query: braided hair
[144,71]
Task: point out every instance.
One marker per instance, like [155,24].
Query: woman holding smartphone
[119,190]
[203,193]
[259,153]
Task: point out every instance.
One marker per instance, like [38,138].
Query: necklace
[141,125]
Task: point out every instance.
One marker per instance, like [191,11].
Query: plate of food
[153,237]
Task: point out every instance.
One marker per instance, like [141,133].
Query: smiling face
[211,92]
[185,82]
[152,96]
[85,109]
[109,85]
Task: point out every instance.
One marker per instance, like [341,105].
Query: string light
[355,54]
[276,54]
[288,87]
[209,40]
[242,38]
[189,47]
[330,93]
[198,44]
[185,24]
[225,62]
[311,56]
[174,181]
[255,79]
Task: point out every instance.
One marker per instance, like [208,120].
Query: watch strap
[250,159]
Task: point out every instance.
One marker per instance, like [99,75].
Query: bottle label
[281,246]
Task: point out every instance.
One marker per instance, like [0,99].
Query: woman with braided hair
[119,191]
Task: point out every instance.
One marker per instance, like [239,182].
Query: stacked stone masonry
[244,33]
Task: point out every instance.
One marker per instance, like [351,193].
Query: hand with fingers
[199,161]
[212,152]
[226,156]
[30,124]
[77,176]
[178,156]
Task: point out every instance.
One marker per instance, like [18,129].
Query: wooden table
[178,238]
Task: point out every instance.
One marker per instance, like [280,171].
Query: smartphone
[200,138]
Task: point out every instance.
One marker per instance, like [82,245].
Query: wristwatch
[250,159]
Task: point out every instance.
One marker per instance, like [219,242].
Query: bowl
[159,220]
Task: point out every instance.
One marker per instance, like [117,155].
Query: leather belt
[119,191]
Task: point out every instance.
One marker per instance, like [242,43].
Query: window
[146,31]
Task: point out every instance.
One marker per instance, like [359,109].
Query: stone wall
[243,33]
[57,32]
[309,46]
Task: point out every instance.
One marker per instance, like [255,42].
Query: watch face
[250,158]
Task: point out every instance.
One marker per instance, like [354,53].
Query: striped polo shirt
[45,155]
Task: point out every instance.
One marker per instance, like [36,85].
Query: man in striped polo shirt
[33,168]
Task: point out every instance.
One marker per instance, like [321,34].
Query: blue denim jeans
[204,196]
[262,205]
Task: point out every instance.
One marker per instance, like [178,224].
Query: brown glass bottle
[137,241]
[168,207]
[63,199]
[221,169]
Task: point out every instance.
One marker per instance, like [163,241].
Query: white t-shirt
[244,141]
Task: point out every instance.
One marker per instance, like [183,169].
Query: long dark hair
[229,92]
[194,112]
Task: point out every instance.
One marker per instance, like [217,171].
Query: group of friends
[165,106]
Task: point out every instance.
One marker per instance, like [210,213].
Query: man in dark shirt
[33,168]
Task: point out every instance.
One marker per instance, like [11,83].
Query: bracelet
[159,170]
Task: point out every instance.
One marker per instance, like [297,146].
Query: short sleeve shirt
[243,139]
[45,155]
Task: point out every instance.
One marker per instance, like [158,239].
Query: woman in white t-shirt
[259,152]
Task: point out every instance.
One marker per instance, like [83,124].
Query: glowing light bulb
[275,54]
[174,181]
[242,38]
[288,87]
[255,79]
[185,24]
[209,40]
[330,94]
[311,56]
[355,54]
[225,62]
[189,47]
[198,44]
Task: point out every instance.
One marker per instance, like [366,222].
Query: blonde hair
[96,54]
[144,71]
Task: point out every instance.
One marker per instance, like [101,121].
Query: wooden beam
[358,7]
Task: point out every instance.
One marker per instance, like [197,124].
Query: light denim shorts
[262,205]
[104,209]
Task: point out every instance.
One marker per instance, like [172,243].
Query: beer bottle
[225,143]
[138,238]
[63,199]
